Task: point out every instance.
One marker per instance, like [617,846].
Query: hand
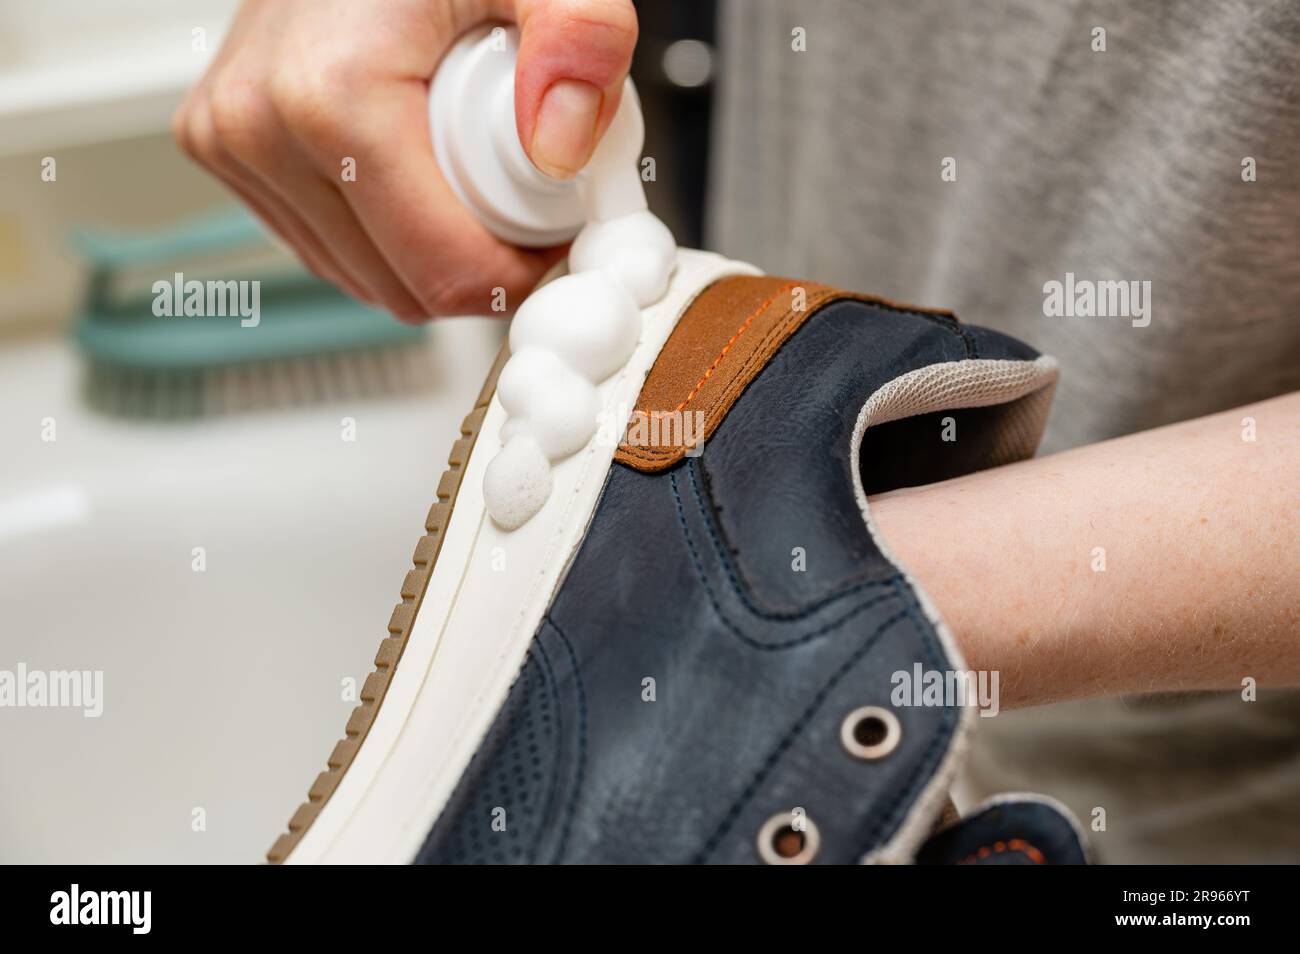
[302,86]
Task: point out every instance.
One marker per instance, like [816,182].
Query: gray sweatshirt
[1117,184]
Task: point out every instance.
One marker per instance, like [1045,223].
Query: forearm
[1164,560]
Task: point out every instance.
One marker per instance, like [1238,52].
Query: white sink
[223,689]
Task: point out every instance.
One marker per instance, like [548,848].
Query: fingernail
[566,128]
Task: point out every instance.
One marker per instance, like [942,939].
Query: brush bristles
[267,385]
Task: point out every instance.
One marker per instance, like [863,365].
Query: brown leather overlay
[719,346]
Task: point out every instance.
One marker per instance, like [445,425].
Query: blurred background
[219,523]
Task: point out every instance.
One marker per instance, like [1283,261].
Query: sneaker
[689,654]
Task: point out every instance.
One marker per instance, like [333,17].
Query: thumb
[573,58]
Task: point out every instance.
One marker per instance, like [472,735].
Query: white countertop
[222,689]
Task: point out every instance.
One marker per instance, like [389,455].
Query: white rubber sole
[485,601]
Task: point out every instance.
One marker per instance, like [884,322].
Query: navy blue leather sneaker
[698,651]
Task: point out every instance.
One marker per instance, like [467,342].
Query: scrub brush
[272,337]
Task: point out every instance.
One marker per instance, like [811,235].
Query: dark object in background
[674,69]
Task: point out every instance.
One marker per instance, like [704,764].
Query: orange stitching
[727,347]
[759,357]
[1015,844]
[821,296]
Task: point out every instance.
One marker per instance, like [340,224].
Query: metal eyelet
[781,843]
[870,732]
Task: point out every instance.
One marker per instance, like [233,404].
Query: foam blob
[517,482]
[636,250]
[562,416]
[587,319]
[514,426]
[528,370]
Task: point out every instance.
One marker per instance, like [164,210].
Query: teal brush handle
[299,314]
[211,234]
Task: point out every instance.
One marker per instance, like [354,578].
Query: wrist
[949,553]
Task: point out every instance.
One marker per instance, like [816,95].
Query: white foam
[581,328]
[517,482]
[636,250]
[586,320]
